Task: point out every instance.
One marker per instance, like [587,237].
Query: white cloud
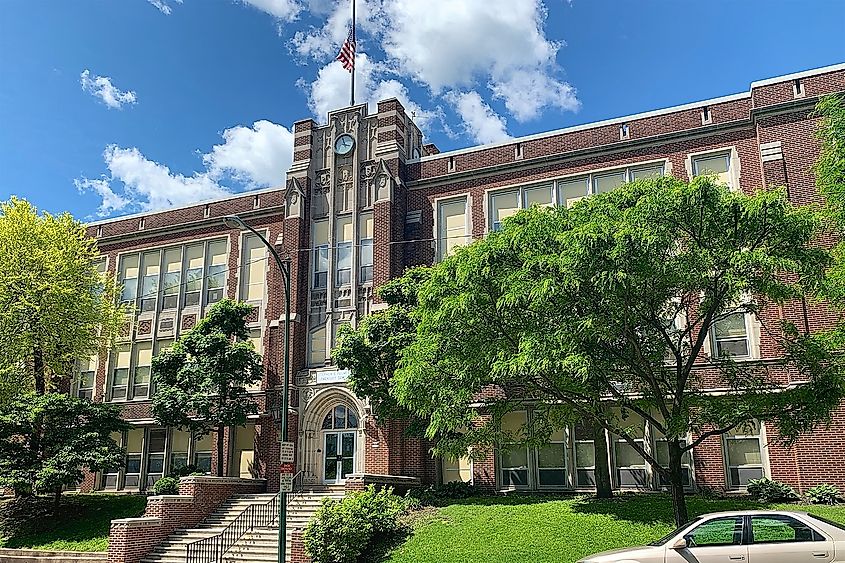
[480,121]
[323,43]
[527,92]
[256,156]
[286,10]
[163,5]
[102,87]
[111,201]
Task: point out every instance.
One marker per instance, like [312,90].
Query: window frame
[743,522]
[734,164]
[726,458]
[817,536]
[438,205]
[714,341]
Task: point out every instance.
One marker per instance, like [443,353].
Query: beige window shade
[217,252]
[193,257]
[502,206]
[541,195]
[122,358]
[458,469]
[365,225]
[608,182]
[143,354]
[452,226]
[151,263]
[317,348]
[203,443]
[129,266]
[179,441]
[344,229]
[514,423]
[647,172]
[321,233]
[718,164]
[570,191]
[135,440]
[173,260]
[255,268]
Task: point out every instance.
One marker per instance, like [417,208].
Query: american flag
[347,52]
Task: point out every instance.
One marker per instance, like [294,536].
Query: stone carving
[372,139]
[344,194]
[320,194]
[349,123]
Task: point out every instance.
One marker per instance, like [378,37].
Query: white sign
[333,376]
[286,483]
[286,449]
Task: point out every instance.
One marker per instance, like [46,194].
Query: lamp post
[235,222]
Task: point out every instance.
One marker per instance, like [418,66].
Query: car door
[780,538]
[716,540]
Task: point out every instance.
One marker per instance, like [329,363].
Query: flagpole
[354,49]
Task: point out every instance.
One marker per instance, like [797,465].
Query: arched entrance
[339,440]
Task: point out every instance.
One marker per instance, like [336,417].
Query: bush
[767,490]
[447,491]
[823,494]
[166,486]
[341,531]
[186,470]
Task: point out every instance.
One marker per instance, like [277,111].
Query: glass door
[339,456]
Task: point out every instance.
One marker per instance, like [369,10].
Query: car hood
[646,553]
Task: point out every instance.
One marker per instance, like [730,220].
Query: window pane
[537,196]
[585,454]
[721,531]
[327,422]
[744,451]
[452,226]
[343,229]
[715,164]
[553,477]
[647,172]
[514,423]
[515,477]
[627,456]
[607,182]
[253,269]
[317,355]
[515,457]
[740,476]
[570,191]
[776,528]
[340,416]
[157,440]
[726,348]
[503,205]
[552,455]
[731,326]
[351,419]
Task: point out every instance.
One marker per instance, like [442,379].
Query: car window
[776,528]
[672,534]
[719,531]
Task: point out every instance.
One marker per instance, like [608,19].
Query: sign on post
[286,482]
[286,468]
[286,449]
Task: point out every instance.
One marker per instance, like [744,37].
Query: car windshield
[673,533]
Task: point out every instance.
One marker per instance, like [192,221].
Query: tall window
[317,346]
[193,274]
[365,233]
[141,373]
[456,469]
[343,262]
[630,465]
[179,445]
[452,226]
[129,277]
[744,454]
[320,238]
[730,336]
[253,269]
[120,372]
[661,446]
[216,271]
[172,278]
[585,456]
[202,453]
[149,281]
[551,461]
[514,455]
[109,479]
[134,449]
[156,447]
[716,163]
[86,377]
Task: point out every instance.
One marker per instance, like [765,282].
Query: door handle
[819,554]
[737,558]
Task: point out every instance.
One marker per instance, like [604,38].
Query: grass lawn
[81,522]
[554,529]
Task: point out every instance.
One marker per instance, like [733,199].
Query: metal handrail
[211,549]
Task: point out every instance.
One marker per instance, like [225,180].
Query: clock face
[344,144]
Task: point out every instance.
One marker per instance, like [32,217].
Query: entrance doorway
[339,447]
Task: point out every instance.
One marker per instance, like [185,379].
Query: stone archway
[311,434]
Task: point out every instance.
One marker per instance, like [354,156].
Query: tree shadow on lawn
[656,508]
[511,499]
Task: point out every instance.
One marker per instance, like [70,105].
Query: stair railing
[211,549]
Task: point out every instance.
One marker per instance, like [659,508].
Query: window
[585,456]
[365,232]
[243,456]
[253,269]
[514,455]
[456,469]
[343,263]
[744,455]
[172,278]
[505,204]
[340,418]
[109,479]
[629,464]
[779,528]
[193,274]
[202,453]
[179,443]
[607,182]
[86,377]
[320,237]
[551,461]
[661,447]
[719,531]
[451,226]
[216,271]
[157,440]
[149,281]
[129,277]
[730,336]
[571,190]
[717,163]
[317,346]
[120,372]
[141,374]
[134,448]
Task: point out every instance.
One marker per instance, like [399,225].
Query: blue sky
[191,99]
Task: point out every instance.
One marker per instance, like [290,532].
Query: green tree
[614,301]
[47,440]
[830,181]
[55,308]
[200,382]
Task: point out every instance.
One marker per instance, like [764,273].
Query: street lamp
[235,222]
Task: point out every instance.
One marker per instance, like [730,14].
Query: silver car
[751,536]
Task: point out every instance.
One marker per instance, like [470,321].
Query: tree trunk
[57,498]
[220,451]
[38,371]
[676,483]
[604,488]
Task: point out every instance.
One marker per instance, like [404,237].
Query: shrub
[447,491]
[342,530]
[186,470]
[166,486]
[823,494]
[767,490]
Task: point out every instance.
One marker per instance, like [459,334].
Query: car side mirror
[680,543]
